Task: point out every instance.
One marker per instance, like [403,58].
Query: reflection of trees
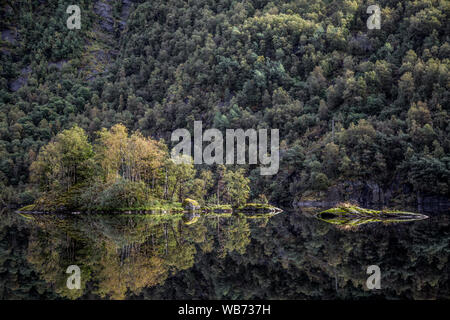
[130,268]
[119,255]
[233,235]
[17,277]
[293,256]
[52,248]
[297,257]
[322,261]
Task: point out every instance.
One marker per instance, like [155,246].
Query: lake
[291,255]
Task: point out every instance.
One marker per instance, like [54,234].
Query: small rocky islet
[351,215]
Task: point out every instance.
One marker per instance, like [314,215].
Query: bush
[124,193]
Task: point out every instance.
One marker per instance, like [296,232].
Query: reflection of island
[288,256]
[119,255]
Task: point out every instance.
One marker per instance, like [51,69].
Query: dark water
[288,256]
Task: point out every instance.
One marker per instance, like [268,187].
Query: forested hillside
[352,105]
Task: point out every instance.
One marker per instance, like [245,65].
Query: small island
[121,173]
[346,214]
[169,208]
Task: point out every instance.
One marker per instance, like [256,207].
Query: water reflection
[289,256]
[120,255]
[353,217]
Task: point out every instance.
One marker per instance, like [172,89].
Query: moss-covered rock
[351,215]
[190,204]
[192,221]
[29,207]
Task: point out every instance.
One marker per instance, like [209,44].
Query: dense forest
[351,104]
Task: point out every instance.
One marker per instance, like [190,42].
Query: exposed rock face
[104,10]
[361,42]
[367,193]
[435,202]
[126,9]
[10,39]
[100,59]
[9,36]
[107,32]
[362,192]
[58,65]
[21,80]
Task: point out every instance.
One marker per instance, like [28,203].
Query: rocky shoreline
[369,193]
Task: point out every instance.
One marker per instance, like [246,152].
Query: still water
[291,255]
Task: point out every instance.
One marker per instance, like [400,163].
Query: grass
[29,207]
[251,206]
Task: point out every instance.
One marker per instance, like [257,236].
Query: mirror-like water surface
[291,255]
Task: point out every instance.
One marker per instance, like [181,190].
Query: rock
[104,10]
[58,64]
[21,80]
[189,204]
[9,36]
[126,9]
[368,193]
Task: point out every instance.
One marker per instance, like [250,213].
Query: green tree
[237,189]
[64,162]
